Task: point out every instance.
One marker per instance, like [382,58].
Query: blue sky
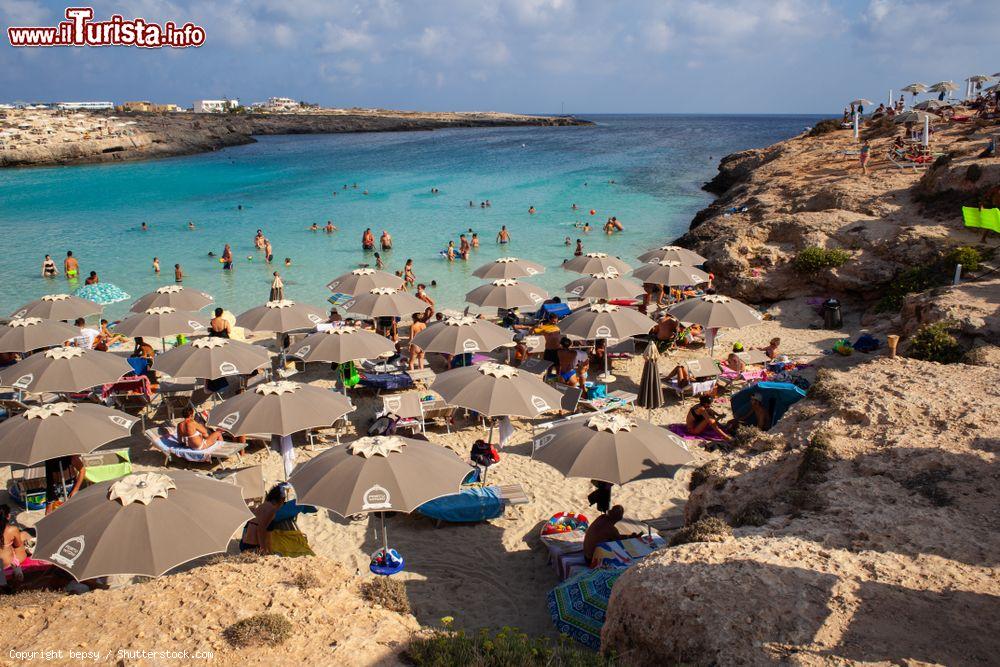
[756,56]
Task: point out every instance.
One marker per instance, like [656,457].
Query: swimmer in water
[531,209]
[144,227]
[239,207]
[386,240]
[156,265]
[314,227]
[475,240]
[379,264]
[503,236]
[288,261]
[368,240]
[330,227]
[567,241]
[191,225]
[573,207]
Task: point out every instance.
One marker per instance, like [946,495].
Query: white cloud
[533,12]
[657,36]
[339,38]
[431,41]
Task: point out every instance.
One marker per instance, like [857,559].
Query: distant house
[281,104]
[147,107]
[85,106]
[215,106]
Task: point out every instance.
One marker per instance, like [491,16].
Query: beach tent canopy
[161,322]
[914,88]
[917,117]
[385,302]
[671,273]
[673,253]
[281,317]
[777,397]
[142,524]
[605,321]
[362,281]
[715,311]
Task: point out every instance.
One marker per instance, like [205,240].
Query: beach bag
[866,343]
[597,391]
[484,454]
[349,374]
[843,347]
[384,425]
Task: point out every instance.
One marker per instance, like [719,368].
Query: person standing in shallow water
[227,258]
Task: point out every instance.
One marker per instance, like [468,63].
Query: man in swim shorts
[572,370]
[70,266]
[368,240]
[503,236]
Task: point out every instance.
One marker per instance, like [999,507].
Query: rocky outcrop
[866,532]
[808,191]
[972,308]
[157,135]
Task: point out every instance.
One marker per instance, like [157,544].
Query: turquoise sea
[286,183]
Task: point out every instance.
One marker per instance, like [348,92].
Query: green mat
[105,465]
[982,218]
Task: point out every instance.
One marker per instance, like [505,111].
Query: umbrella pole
[62,482]
[606,376]
[385,534]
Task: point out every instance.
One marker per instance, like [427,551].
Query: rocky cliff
[809,191]
[155,135]
[865,531]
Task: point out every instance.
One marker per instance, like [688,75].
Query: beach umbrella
[862,102]
[54,430]
[596,262]
[279,408]
[379,474]
[671,273]
[506,293]
[996,75]
[462,335]
[64,370]
[930,105]
[58,307]
[142,524]
[943,87]
[281,317]
[650,384]
[579,605]
[212,359]
[341,345]
[605,286]
[362,281]
[605,321]
[714,311]
[161,322]
[609,447]
[776,398]
[508,267]
[914,88]
[102,293]
[172,296]
[919,117]
[25,334]
[497,390]
[385,302]
[979,78]
[673,253]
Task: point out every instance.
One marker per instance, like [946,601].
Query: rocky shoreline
[144,136]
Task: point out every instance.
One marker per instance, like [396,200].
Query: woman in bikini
[12,539]
[256,536]
[194,435]
[702,417]
[219,326]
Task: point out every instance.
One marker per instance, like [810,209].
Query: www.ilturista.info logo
[80,30]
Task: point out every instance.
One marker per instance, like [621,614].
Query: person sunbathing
[733,361]
[702,418]
[256,535]
[681,373]
[604,529]
[12,540]
[193,434]
[772,348]
[666,329]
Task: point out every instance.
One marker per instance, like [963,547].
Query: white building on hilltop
[85,106]
[280,104]
[215,106]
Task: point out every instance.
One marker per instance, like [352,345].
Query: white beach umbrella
[862,102]
[914,88]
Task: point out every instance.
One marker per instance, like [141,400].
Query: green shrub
[305,580]
[504,648]
[915,279]
[708,529]
[754,513]
[965,255]
[816,458]
[933,342]
[259,630]
[813,259]
[386,592]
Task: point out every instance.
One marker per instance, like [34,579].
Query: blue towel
[467,506]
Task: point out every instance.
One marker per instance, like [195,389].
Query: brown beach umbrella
[25,334]
[341,345]
[172,296]
[931,105]
[362,281]
[497,390]
[650,384]
[914,88]
[508,267]
[605,321]
[943,87]
[58,307]
[379,474]
[63,370]
[506,293]
[606,286]
[915,117]
[54,430]
[281,317]
[142,524]
[161,322]
[673,253]
[211,359]
[610,447]
[670,272]
[461,335]
[279,408]
[385,302]
[714,311]
[596,262]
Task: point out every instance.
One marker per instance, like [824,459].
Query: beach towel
[985,218]
[386,381]
[578,605]
[469,505]
[622,553]
[291,543]
[681,430]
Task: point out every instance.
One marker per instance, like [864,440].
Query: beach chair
[568,404]
[438,412]
[406,406]
[132,393]
[613,401]
[704,373]
[249,479]
[164,440]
